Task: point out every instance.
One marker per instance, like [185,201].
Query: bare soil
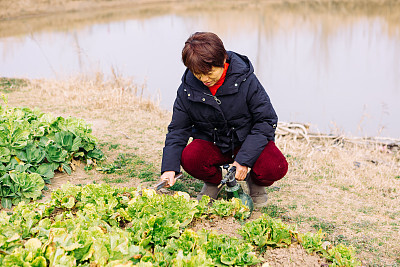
[227,225]
[293,256]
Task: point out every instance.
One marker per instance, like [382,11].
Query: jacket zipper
[215,98]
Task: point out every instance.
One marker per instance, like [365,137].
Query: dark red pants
[202,160]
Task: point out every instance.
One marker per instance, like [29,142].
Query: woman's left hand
[241,171]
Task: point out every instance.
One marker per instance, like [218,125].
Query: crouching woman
[223,106]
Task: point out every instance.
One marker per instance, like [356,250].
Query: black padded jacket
[240,114]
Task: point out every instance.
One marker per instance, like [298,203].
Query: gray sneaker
[210,190]
[257,193]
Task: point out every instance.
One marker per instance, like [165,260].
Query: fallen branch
[299,130]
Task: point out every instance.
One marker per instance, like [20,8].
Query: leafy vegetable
[36,142]
[339,255]
[267,231]
[313,242]
[17,186]
[232,207]
[342,256]
[226,250]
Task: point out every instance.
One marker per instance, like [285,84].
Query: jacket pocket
[242,133]
[241,127]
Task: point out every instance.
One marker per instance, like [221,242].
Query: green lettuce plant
[266,231]
[339,255]
[20,186]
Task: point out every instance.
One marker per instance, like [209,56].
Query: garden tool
[162,184]
[234,189]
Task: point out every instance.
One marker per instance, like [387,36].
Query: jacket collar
[239,69]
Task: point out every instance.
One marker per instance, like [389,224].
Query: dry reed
[97,92]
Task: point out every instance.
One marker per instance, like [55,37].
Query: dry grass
[350,191]
[115,107]
[98,93]
[24,8]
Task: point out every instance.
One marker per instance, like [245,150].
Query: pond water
[335,67]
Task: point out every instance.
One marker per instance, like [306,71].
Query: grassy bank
[25,8]
[19,8]
[349,190]
[22,8]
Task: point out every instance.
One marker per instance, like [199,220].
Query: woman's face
[212,77]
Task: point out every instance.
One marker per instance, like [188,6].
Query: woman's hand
[241,171]
[168,176]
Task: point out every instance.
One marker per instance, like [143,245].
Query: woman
[223,106]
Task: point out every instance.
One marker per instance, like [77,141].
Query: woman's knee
[200,154]
[200,159]
[270,167]
[193,154]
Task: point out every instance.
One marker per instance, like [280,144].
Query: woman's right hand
[168,176]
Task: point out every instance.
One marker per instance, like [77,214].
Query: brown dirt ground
[293,256]
[227,225]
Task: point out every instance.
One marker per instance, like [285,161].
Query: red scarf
[214,88]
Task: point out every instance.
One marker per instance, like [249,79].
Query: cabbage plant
[34,145]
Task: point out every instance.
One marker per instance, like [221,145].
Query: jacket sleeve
[264,121]
[179,131]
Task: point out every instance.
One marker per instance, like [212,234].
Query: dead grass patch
[348,190]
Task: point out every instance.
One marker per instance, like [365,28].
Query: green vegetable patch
[339,255]
[106,226]
[33,145]
[100,225]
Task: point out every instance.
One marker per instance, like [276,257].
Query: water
[335,68]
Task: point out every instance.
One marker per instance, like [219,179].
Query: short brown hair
[202,51]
